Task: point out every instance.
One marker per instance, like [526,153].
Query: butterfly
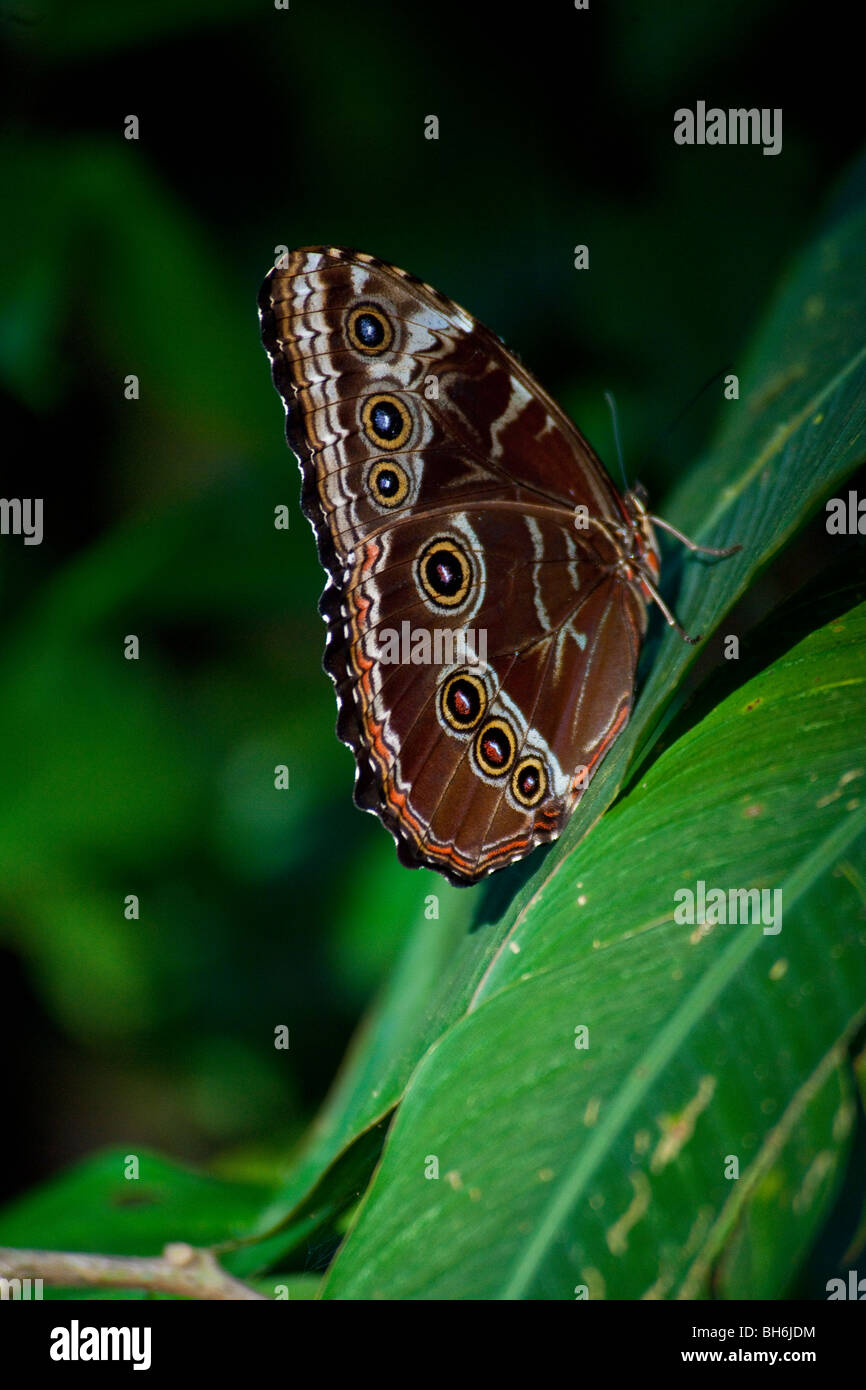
[487,585]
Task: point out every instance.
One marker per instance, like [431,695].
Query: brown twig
[180,1269]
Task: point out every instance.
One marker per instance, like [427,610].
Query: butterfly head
[641,551]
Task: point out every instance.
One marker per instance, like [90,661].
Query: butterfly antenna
[710,381]
[611,405]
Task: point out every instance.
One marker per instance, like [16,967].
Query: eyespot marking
[369,330]
[529,782]
[462,701]
[388,483]
[495,747]
[444,573]
[386,421]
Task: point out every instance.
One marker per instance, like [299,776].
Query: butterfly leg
[654,594]
[693,545]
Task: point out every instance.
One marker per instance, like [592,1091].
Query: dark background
[260,128]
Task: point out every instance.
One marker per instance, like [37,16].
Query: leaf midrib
[769,1150]
[659,1053]
[784,431]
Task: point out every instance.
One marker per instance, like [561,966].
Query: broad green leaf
[555,1163]
[791,1184]
[339,1188]
[794,435]
[94,1207]
[797,432]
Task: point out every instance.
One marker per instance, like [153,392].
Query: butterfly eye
[386,421]
[388,483]
[444,573]
[369,330]
[529,782]
[495,747]
[462,701]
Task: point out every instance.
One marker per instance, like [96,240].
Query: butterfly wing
[442,482]
[474,755]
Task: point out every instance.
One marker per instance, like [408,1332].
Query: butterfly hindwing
[480,751]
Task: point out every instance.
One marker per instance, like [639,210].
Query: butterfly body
[450,496]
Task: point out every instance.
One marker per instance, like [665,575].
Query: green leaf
[94,1207]
[340,1187]
[795,434]
[555,1163]
[790,1189]
[380,1059]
